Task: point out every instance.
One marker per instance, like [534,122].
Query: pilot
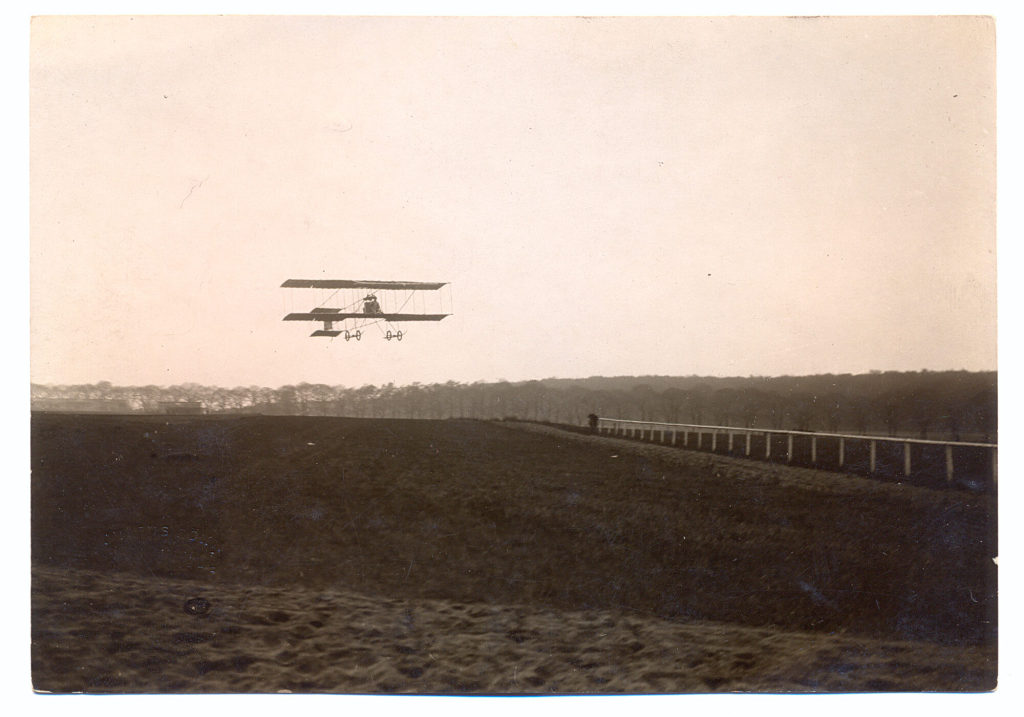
[370,305]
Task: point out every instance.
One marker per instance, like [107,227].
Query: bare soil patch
[114,633]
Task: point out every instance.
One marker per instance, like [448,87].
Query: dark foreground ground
[354,555]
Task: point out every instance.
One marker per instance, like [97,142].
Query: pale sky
[606,196]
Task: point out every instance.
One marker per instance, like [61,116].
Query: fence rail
[958,461]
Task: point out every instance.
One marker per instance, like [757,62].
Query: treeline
[957,405]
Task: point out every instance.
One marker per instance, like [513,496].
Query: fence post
[658,432]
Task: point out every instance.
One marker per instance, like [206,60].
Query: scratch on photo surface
[194,188]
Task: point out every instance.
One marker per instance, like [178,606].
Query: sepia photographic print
[491,356]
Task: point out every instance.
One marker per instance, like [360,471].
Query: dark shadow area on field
[476,512]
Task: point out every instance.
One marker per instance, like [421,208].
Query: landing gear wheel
[398,335]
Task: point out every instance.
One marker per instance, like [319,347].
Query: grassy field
[740,575]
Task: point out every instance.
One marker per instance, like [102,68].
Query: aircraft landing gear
[357,335]
[395,335]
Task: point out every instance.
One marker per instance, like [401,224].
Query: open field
[464,556]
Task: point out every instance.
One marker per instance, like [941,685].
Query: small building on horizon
[182,408]
[81,405]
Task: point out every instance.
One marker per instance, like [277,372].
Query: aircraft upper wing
[355,284]
[338,316]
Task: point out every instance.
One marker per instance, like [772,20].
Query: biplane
[358,305]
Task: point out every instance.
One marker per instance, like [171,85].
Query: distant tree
[955,417]
[774,409]
[922,409]
[194,391]
[322,396]
[892,412]
[801,411]
[415,397]
[341,401]
[503,399]
[306,397]
[216,399]
[103,390]
[960,403]
[985,413]
[578,401]
[674,399]
[754,405]
[448,394]
[531,395]
[287,400]
[645,400]
[697,400]
[365,400]
[726,406]
[856,414]
[830,408]
[149,398]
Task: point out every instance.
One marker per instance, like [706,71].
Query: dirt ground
[349,555]
[107,632]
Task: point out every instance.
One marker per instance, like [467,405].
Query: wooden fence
[957,463]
